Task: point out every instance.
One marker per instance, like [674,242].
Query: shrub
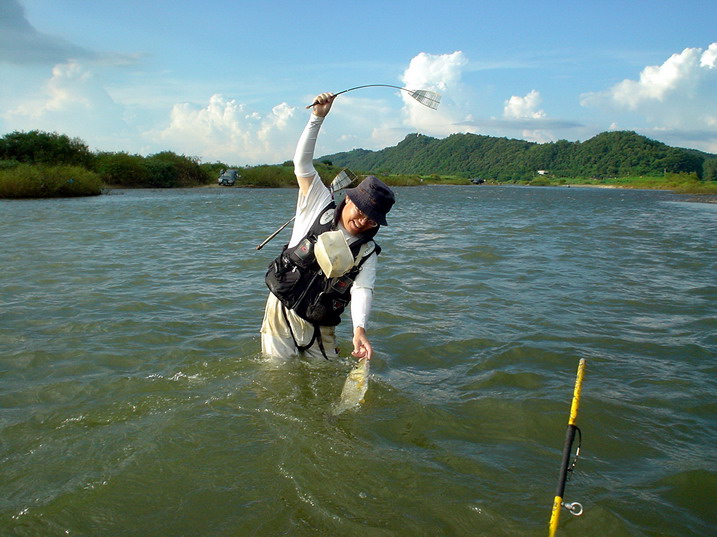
[268,176]
[38,147]
[168,169]
[27,181]
[122,169]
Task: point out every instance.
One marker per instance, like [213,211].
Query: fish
[352,394]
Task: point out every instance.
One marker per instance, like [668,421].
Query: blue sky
[229,80]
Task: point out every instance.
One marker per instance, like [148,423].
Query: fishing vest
[299,283]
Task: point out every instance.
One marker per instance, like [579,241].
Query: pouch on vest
[333,254]
[282,278]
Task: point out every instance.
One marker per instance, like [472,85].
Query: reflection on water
[133,399]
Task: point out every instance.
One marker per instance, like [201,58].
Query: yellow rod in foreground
[567,448]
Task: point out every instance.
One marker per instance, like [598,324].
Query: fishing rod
[566,468]
[431,99]
[343,179]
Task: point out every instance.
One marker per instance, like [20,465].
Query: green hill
[609,154]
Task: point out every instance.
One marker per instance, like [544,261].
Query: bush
[122,169]
[168,169]
[540,181]
[709,169]
[268,176]
[27,181]
[38,147]
[8,164]
[162,170]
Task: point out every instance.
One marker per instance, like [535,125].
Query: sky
[229,80]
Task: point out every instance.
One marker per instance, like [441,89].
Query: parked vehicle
[228,177]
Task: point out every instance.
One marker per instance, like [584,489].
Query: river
[134,399]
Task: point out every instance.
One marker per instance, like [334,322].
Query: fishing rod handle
[275,233]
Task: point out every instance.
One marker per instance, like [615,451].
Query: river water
[134,400]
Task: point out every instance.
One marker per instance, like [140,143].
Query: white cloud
[678,95]
[523,107]
[224,130]
[434,72]
[73,102]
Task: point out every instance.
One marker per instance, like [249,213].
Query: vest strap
[315,337]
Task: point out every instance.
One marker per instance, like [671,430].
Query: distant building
[542,172]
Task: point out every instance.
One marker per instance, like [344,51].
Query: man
[306,300]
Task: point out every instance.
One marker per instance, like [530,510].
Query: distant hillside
[610,154]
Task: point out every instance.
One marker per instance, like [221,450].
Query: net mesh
[343,179]
[431,99]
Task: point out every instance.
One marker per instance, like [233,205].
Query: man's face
[354,220]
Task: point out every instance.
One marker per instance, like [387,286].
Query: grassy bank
[682,183]
[36,181]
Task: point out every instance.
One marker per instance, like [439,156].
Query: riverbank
[31,182]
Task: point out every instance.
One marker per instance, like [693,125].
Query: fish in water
[354,388]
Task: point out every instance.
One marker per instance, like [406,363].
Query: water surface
[134,400]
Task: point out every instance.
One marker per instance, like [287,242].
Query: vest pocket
[281,278]
[325,309]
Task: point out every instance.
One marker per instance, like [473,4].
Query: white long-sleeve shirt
[308,208]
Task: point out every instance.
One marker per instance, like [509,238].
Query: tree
[122,169]
[167,169]
[709,169]
[38,147]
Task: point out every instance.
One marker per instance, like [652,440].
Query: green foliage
[709,169]
[8,164]
[168,170]
[37,147]
[163,170]
[214,169]
[270,176]
[404,180]
[266,176]
[610,154]
[122,169]
[40,181]
[540,181]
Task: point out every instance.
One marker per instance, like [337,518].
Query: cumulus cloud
[678,95]
[225,130]
[73,102]
[523,107]
[434,72]
[522,116]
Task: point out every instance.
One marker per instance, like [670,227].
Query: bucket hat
[373,198]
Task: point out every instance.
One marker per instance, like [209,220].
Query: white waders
[285,334]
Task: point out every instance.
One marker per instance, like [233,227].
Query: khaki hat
[333,254]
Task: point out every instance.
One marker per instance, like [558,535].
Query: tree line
[161,170]
[609,154]
[41,164]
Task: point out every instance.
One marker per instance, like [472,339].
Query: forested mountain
[610,154]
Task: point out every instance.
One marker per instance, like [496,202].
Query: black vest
[299,283]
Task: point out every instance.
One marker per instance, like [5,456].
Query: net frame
[428,98]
